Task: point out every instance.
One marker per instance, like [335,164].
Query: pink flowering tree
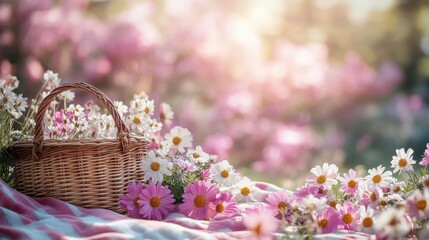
[264,103]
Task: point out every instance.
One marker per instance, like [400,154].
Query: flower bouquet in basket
[81,154]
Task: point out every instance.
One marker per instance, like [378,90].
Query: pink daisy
[156,201]
[328,221]
[349,215]
[350,183]
[425,161]
[261,222]
[196,199]
[418,204]
[130,200]
[281,201]
[371,198]
[205,175]
[223,207]
[317,191]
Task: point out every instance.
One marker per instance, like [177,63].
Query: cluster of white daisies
[10,102]
[64,120]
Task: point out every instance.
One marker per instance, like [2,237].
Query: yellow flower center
[137,121]
[281,206]
[397,189]
[376,178]
[367,222]
[321,179]
[402,163]
[136,203]
[421,204]
[352,184]
[224,174]
[196,155]
[373,196]
[333,204]
[177,140]
[162,116]
[155,202]
[200,201]
[347,218]
[219,208]
[147,110]
[393,222]
[245,191]
[155,166]
[323,223]
[257,229]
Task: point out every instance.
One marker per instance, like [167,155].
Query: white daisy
[122,109]
[137,123]
[180,138]
[166,115]
[392,223]
[366,222]
[223,173]
[67,96]
[311,204]
[20,103]
[164,148]
[325,175]
[245,191]
[397,186]
[51,79]
[155,167]
[378,178]
[403,162]
[198,155]
[154,125]
[141,95]
[7,98]
[77,110]
[425,181]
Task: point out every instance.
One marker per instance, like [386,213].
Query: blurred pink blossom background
[233,72]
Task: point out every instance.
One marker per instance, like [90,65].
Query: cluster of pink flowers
[378,203]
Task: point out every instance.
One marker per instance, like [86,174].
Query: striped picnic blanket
[23,217]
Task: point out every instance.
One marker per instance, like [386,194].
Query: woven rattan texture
[89,173]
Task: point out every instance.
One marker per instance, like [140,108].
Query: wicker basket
[90,173]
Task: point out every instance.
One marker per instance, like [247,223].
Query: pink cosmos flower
[418,204]
[317,191]
[187,166]
[425,161]
[349,215]
[129,201]
[350,183]
[328,221]
[205,175]
[156,201]
[261,221]
[281,201]
[196,199]
[223,207]
[371,198]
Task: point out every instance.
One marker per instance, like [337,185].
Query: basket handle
[123,133]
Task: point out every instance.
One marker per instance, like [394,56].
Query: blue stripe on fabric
[54,223]
[11,217]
